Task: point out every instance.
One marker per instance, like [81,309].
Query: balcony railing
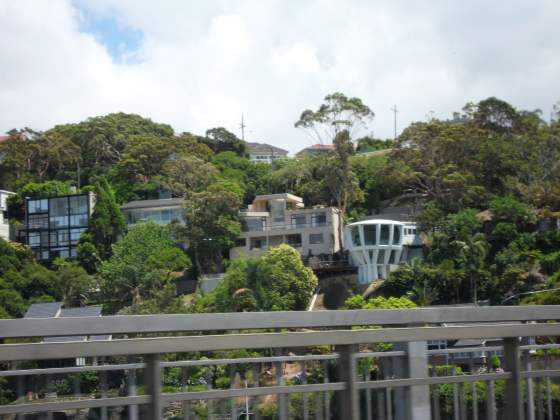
[288,226]
[405,384]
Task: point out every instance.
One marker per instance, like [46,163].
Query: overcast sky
[197,64]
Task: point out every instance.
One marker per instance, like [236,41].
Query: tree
[187,174]
[337,113]
[141,264]
[340,179]
[73,283]
[472,252]
[277,281]
[106,224]
[221,140]
[212,225]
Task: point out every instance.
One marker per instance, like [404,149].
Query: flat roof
[144,204]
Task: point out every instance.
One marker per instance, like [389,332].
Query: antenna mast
[395,110]
[242,126]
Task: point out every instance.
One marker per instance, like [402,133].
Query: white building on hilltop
[377,246]
[4,223]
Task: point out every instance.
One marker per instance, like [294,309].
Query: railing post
[513,398]
[282,398]
[419,395]
[153,386]
[186,405]
[131,389]
[349,401]
[490,391]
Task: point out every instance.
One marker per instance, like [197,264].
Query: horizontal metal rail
[145,324]
[20,352]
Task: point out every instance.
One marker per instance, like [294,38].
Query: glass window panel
[79,204]
[34,239]
[356,236]
[381,257]
[58,206]
[370,232]
[298,220]
[396,234]
[384,239]
[294,240]
[318,219]
[316,238]
[392,257]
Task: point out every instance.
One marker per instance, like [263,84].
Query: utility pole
[242,126]
[395,110]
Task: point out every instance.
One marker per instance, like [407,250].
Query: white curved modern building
[376,246]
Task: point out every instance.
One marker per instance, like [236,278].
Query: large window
[38,221]
[38,206]
[298,220]
[253,224]
[319,219]
[316,238]
[384,238]
[396,235]
[58,212]
[294,240]
[258,243]
[369,234]
[355,233]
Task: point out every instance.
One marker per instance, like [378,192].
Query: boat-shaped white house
[377,246]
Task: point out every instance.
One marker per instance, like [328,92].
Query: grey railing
[404,390]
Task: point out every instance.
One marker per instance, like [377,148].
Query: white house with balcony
[377,246]
[161,211]
[4,223]
[276,219]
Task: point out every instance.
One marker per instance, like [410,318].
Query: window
[294,240]
[381,257]
[253,224]
[316,238]
[34,239]
[59,238]
[384,239]
[38,206]
[370,232]
[38,222]
[396,235]
[298,220]
[79,204]
[319,219]
[75,235]
[392,257]
[241,242]
[258,243]
[355,233]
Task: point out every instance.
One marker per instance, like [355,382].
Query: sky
[201,64]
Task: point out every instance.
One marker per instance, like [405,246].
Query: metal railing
[402,386]
[285,226]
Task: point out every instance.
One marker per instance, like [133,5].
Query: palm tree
[472,253]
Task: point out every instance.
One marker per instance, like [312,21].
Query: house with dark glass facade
[53,225]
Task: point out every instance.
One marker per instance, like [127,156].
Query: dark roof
[43,310]
[80,312]
[53,310]
[162,202]
[266,148]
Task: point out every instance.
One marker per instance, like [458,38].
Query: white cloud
[201,64]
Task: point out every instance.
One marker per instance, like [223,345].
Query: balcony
[288,226]
[339,383]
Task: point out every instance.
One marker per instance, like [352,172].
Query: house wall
[4,225]
[265,232]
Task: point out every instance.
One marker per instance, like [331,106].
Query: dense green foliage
[487,183]
[277,281]
[141,265]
